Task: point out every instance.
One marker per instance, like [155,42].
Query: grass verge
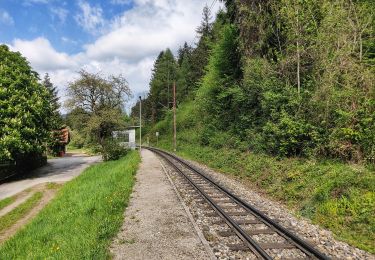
[84,150]
[82,219]
[12,217]
[335,195]
[5,202]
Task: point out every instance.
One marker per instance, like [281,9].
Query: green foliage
[200,54]
[25,111]
[54,141]
[220,95]
[82,219]
[112,150]
[78,140]
[185,82]
[161,86]
[53,99]
[298,85]
[96,107]
[289,136]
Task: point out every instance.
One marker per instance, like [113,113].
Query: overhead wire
[212,5]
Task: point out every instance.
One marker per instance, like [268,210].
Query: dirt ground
[156,225]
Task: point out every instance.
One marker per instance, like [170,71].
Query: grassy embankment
[83,217]
[335,195]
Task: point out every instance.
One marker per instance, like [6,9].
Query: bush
[112,150]
[77,140]
[290,136]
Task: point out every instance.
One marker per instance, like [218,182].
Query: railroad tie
[239,222]
[222,200]
[243,247]
[228,233]
[231,213]
[212,214]
[238,213]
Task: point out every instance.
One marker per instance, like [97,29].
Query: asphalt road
[57,170]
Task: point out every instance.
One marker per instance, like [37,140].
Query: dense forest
[287,78]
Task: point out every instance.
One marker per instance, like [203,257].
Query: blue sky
[56,20]
[110,37]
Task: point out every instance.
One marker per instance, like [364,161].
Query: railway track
[241,218]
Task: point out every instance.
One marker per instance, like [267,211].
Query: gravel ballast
[321,238]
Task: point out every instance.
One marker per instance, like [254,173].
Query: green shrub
[112,150]
[77,140]
[289,136]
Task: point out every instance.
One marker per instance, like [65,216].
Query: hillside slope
[333,194]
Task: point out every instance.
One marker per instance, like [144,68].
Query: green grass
[81,220]
[83,150]
[5,202]
[16,214]
[53,185]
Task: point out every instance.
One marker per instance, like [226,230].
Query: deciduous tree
[25,110]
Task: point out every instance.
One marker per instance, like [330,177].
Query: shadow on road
[53,167]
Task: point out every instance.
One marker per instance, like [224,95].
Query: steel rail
[301,244]
[242,233]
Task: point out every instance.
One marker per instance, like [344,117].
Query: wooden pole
[140,123]
[174,118]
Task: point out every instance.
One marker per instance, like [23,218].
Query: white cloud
[148,28]
[121,2]
[42,55]
[68,40]
[90,18]
[5,18]
[60,13]
[133,41]
[30,2]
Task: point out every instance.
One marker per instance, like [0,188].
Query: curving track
[237,213]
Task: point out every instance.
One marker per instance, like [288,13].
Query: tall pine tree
[161,85]
[201,53]
[53,100]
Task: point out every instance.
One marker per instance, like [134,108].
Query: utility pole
[168,85]
[140,123]
[298,55]
[174,118]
